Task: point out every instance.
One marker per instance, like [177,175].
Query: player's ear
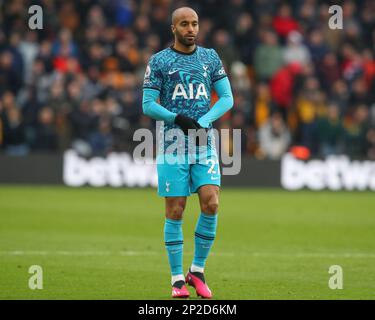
[173,28]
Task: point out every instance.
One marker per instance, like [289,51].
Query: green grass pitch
[108,243]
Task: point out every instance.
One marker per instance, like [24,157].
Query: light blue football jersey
[184,80]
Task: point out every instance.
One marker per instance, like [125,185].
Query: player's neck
[184,49]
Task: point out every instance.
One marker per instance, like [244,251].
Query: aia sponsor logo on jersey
[194,91]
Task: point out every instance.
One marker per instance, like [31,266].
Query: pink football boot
[196,280]
[179,290]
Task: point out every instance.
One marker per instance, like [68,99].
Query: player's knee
[175,211]
[175,214]
[211,206]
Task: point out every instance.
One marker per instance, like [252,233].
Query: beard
[185,41]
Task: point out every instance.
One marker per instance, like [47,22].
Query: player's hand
[186,123]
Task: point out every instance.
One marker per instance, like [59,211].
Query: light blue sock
[174,244]
[205,233]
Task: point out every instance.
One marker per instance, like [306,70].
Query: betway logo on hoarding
[116,170]
[334,173]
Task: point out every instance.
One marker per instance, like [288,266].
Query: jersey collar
[180,52]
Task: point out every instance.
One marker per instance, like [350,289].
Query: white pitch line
[75,253]
[360,255]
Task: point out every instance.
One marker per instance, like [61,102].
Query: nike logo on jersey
[172,71]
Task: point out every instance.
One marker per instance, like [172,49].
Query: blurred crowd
[77,83]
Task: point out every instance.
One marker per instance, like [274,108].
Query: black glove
[186,123]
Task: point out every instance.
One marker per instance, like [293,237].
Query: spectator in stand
[240,78]
[317,46]
[224,47]
[330,132]
[142,30]
[64,45]
[295,51]
[13,127]
[274,138]
[284,22]
[352,25]
[82,121]
[46,134]
[268,56]
[308,14]
[239,122]
[328,71]
[245,38]
[282,84]
[340,96]
[262,105]
[359,93]
[14,48]
[356,133]
[28,48]
[45,55]
[352,63]
[101,140]
[160,23]
[10,79]
[309,105]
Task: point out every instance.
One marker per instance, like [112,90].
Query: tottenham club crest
[205,71]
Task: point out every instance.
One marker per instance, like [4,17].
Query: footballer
[177,90]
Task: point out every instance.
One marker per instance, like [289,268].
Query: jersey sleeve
[153,75]
[218,71]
